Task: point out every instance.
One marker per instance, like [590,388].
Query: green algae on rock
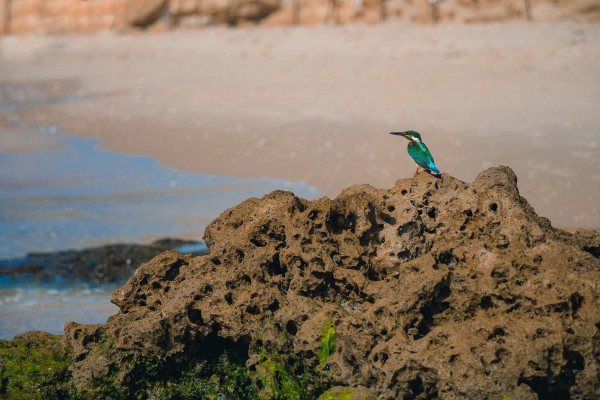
[327,344]
[348,393]
[34,365]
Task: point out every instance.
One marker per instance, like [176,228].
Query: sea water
[65,192]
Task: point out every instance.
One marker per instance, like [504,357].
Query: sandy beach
[314,104]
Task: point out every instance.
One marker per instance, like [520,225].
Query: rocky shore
[105,264]
[434,288]
[76,16]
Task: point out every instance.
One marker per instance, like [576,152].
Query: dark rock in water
[105,264]
[432,289]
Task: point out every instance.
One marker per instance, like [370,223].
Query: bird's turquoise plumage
[418,151]
[422,156]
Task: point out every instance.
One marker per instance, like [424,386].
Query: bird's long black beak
[398,133]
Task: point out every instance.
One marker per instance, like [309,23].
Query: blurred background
[131,121]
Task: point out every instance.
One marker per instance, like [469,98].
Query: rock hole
[501,355]
[373,275]
[388,219]
[246,278]
[432,213]
[258,242]
[468,213]
[576,301]
[409,227]
[486,302]
[239,255]
[496,333]
[493,207]
[404,255]
[575,360]
[195,316]
[337,223]
[216,261]
[430,309]
[207,289]
[595,251]
[384,357]
[499,274]
[216,327]
[173,271]
[557,387]
[391,208]
[539,333]
[449,259]
[229,298]
[156,285]
[253,309]
[274,306]
[291,327]
[212,347]
[313,214]
[416,388]
[274,267]
[403,192]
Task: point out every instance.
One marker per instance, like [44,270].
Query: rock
[142,13]
[113,263]
[434,288]
[234,12]
[77,16]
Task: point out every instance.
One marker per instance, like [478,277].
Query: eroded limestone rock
[435,288]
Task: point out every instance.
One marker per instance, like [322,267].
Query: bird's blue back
[422,156]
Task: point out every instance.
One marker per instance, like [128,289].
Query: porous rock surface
[436,289]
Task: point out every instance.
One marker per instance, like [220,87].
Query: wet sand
[314,104]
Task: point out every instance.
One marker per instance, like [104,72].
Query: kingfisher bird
[418,151]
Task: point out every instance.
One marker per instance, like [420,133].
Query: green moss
[348,393]
[224,380]
[37,368]
[106,343]
[283,376]
[345,394]
[34,367]
[102,388]
[278,383]
[505,396]
[327,344]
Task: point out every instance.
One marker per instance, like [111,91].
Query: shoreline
[284,102]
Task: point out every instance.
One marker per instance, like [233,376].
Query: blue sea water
[65,192]
[69,194]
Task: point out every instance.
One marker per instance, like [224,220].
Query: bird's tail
[434,169]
